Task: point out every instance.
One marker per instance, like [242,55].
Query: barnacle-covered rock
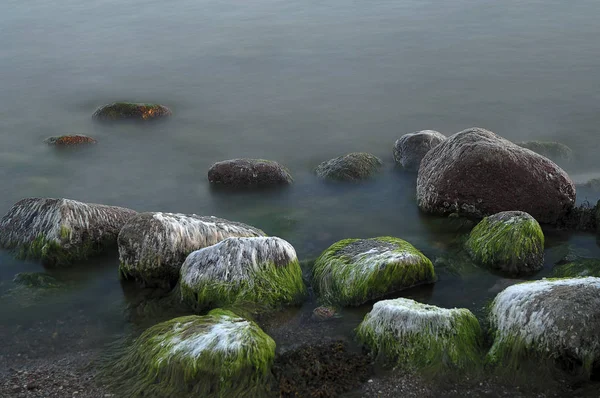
[60,231]
[240,173]
[351,167]
[131,111]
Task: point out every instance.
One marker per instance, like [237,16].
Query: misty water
[296,82]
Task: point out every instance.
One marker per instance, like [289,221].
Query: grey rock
[351,167]
[248,173]
[410,149]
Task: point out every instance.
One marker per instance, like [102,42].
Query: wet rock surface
[351,167]
[248,173]
[131,111]
[70,140]
[410,149]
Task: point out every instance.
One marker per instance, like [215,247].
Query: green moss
[271,288]
[580,267]
[36,280]
[216,355]
[347,280]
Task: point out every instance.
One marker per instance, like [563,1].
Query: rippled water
[297,82]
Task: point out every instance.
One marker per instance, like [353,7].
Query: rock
[478,173]
[323,313]
[582,218]
[36,280]
[411,148]
[351,167]
[354,271]
[415,335]
[60,231]
[262,272]
[510,241]
[554,319]
[554,151]
[577,268]
[131,111]
[153,246]
[216,355]
[70,140]
[593,184]
[249,173]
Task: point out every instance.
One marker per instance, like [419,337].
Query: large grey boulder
[478,173]
[410,149]
[248,173]
[60,231]
[153,246]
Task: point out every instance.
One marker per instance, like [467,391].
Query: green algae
[578,268]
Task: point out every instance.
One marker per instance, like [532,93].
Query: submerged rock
[131,111]
[578,267]
[351,167]
[249,173]
[478,173]
[410,149]
[36,280]
[354,271]
[510,241]
[262,272]
[554,151]
[60,231]
[216,355]
[554,319]
[593,184]
[415,335]
[153,246]
[324,313]
[70,140]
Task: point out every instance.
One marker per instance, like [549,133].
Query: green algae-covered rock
[248,173]
[354,271]
[415,335]
[60,231]
[510,241]
[216,355]
[351,167]
[36,280]
[578,267]
[261,272]
[556,319]
[131,111]
[552,150]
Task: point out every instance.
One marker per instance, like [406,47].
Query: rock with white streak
[153,246]
[547,319]
[410,149]
[263,273]
[354,271]
[60,231]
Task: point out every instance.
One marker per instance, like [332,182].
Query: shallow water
[296,82]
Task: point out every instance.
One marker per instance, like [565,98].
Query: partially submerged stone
[554,151]
[248,173]
[578,267]
[354,271]
[414,335]
[410,149]
[592,184]
[131,111]
[261,272]
[60,231]
[351,167]
[556,319]
[324,313]
[510,241]
[153,246]
[478,173]
[70,140]
[216,355]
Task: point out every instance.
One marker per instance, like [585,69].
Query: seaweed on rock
[351,167]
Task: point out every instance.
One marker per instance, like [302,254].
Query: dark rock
[248,173]
[70,140]
[131,111]
[478,173]
[410,149]
[36,280]
[554,151]
[351,167]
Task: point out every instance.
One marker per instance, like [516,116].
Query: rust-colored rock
[131,111]
[70,140]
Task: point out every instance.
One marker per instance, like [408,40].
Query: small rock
[70,140]
[131,111]
[351,167]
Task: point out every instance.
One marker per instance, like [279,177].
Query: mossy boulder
[248,173]
[354,271]
[351,167]
[410,149]
[216,355]
[70,140]
[549,319]
[60,231]
[131,111]
[577,268]
[417,336]
[36,280]
[262,273]
[554,151]
[510,241]
[477,173]
[153,246]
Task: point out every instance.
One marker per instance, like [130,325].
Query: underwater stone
[351,167]
[70,140]
[577,267]
[60,231]
[478,173]
[547,319]
[248,173]
[324,313]
[36,280]
[153,246]
[410,149]
[131,111]
[354,271]
[216,355]
[261,272]
[415,335]
[554,151]
[510,241]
